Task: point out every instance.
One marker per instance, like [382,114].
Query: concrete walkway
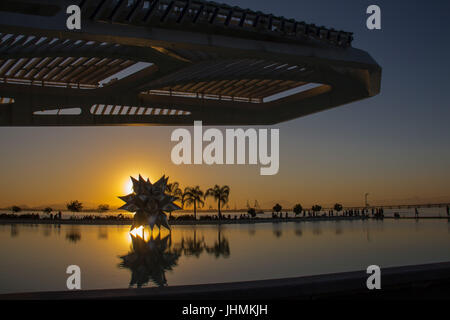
[396,282]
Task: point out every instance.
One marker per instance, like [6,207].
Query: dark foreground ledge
[420,281]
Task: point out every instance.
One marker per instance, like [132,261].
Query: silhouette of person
[448,210]
[416,213]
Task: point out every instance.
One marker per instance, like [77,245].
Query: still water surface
[35,257]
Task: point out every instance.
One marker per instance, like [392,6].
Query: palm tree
[316,208]
[338,207]
[298,209]
[220,194]
[74,206]
[193,196]
[174,190]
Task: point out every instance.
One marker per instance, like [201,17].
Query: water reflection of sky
[35,257]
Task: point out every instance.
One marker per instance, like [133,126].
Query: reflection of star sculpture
[150,260]
[149,202]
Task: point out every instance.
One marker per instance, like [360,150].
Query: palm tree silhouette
[193,196]
[316,208]
[298,209]
[338,207]
[277,208]
[174,190]
[74,206]
[220,194]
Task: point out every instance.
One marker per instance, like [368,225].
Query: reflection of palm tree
[338,228]
[192,247]
[47,230]
[298,231]
[221,247]
[73,235]
[277,230]
[14,230]
[220,194]
[193,196]
[149,260]
[251,229]
[102,233]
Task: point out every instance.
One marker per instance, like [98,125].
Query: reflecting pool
[35,257]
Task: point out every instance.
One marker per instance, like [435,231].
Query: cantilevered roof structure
[143,62]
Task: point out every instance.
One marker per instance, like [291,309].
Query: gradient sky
[394,146]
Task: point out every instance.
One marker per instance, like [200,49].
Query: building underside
[137,62]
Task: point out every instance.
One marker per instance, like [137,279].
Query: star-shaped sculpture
[149,202]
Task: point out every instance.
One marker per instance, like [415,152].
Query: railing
[186,12]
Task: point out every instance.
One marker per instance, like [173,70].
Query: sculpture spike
[135,184]
[150,202]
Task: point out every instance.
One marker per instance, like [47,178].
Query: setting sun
[128,185]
